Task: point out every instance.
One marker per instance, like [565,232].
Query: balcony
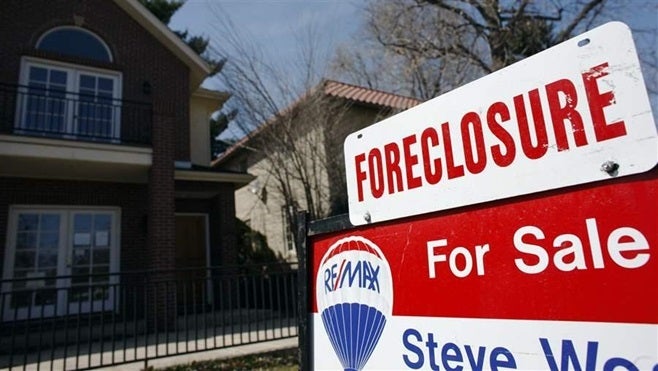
[50,133]
[27,110]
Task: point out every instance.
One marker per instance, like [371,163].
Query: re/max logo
[361,274]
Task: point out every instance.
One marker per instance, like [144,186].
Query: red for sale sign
[538,247]
[563,280]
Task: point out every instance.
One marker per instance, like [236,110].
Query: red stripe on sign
[350,246]
[587,253]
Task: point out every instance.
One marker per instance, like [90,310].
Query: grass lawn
[280,360]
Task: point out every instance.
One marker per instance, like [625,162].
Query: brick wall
[131,198]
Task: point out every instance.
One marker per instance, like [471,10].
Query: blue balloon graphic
[354,293]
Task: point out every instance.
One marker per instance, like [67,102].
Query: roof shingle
[366,95]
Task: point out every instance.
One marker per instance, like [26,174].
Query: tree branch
[566,32]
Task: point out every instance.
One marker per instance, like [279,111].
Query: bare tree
[432,46]
[284,114]
[403,47]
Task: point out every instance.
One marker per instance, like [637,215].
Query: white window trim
[59,28]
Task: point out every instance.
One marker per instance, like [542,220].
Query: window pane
[28,222]
[81,257]
[26,240]
[105,84]
[24,259]
[80,276]
[102,222]
[47,258]
[88,83]
[101,256]
[101,274]
[81,240]
[38,74]
[82,223]
[58,77]
[75,42]
[49,240]
[50,222]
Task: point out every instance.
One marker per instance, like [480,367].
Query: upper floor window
[64,99]
[75,41]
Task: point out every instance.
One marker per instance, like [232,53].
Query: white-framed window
[64,99]
[60,260]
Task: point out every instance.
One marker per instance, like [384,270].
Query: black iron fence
[57,113]
[82,322]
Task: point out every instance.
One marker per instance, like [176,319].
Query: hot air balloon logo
[354,293]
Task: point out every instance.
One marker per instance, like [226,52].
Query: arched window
[75,41]
[58,98]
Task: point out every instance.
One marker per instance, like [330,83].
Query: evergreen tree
[164,10]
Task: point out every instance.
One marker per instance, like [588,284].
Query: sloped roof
[354,93]
[370,96]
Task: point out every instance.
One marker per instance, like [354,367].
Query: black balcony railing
[104,320]
[34,111]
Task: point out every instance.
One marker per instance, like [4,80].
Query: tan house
[318,124]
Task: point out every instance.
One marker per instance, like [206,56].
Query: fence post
[303,332]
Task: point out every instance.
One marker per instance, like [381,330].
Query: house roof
[216,95]
[370,96]
[354,93]
[199,69]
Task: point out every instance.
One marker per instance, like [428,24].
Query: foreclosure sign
[551,281]
[573,114]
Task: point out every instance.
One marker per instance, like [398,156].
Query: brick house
[104,153]
[259,205]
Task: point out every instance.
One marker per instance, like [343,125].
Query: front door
[191,264]
[58,262]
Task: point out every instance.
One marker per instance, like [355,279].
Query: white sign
[573,114]
[81,239]
[102,238]
[424,343]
